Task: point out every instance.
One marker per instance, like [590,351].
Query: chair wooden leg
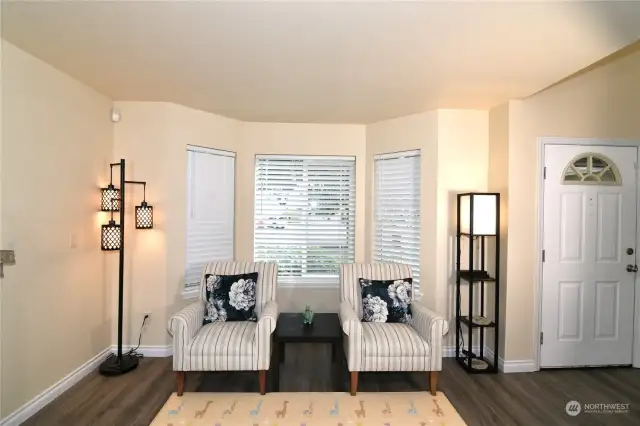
[180,375]
[354,383]
[262,374]
[433,382]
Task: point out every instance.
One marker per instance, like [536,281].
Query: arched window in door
[591,169]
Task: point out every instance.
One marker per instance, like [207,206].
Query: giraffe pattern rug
[308,409]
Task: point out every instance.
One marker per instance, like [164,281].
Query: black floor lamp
[112,239]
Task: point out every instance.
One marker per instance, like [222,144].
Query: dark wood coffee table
[325,329]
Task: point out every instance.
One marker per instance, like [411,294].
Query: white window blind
[397,210]
[210,209]
[304,216]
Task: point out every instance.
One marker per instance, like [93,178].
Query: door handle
[632,268]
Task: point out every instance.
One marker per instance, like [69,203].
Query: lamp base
[114,367]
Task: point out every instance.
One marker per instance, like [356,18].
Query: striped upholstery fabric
[351,273]
[233,345]
[391,340]
[266,325]
[387,347]
[352,328]
[431,327]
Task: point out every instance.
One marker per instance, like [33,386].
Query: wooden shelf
[465,321]
[476,276]
[466,234]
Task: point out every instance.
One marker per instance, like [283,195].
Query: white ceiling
[332,62]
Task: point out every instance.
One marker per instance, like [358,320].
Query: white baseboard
[515,366]
[450,351]
[39,402]
[511,366]
[150,351]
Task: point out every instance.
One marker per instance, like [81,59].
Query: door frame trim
[537,294]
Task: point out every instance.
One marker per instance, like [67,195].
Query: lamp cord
[134,351]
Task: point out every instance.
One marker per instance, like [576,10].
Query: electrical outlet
[8,257]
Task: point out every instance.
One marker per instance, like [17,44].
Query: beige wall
[153,137]
[298,139]
[498,181]
[463,150]
[602,103]
[56,145]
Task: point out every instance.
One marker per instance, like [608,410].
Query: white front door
[589,238]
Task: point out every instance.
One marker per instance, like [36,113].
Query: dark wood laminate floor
[503,399]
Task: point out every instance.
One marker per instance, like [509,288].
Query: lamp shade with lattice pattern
[111,236]
[144,216]
[110,200]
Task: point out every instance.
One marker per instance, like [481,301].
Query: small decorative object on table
[307,316]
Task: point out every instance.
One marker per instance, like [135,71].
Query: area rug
[308,409]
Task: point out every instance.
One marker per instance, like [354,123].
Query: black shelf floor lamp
[112,239]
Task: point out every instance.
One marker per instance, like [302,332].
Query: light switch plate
[8,257]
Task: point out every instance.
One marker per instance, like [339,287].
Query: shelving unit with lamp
[478,221]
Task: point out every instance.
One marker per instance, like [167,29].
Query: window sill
[303,285]
[194,293]
[190,293]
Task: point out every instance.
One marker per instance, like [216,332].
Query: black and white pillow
[386,300]
[230,297]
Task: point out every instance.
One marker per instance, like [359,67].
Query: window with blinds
[304,215]
[397,210]
[210,209]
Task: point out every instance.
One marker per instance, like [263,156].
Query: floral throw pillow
[230,297]
[386,300]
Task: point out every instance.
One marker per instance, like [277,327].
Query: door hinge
[541,337]
[543,255]
[544,173]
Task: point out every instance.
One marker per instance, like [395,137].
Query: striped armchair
[227,346]
[371,346]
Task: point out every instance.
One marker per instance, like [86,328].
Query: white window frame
[378,247]
[308,280]
[191,290]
